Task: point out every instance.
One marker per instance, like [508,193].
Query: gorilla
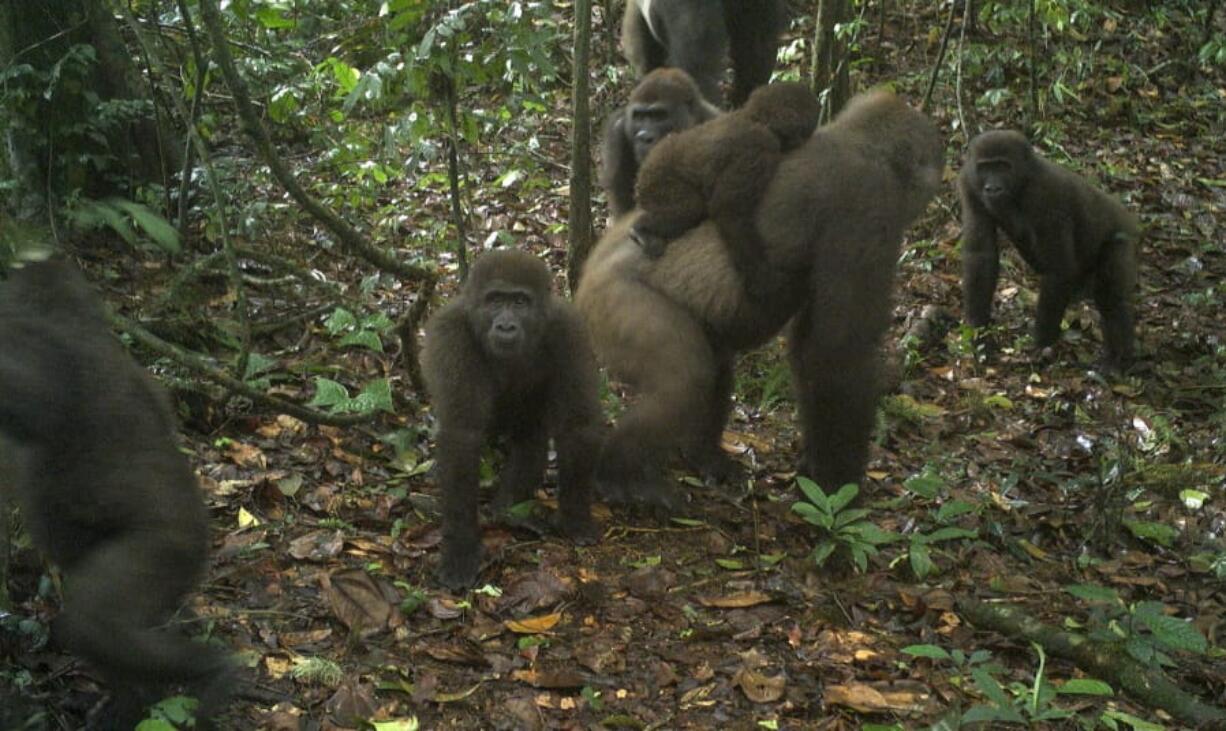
[831,221]
[508,359]
[1076,238]
[697,35]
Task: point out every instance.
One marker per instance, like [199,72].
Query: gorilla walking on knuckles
[720,170]
[1076,237]
[832,221]
[507,358]
[105,493]
[666,101]
[697,35]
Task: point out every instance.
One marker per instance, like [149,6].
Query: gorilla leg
[577,450]
[1115,284]
[114,599]
[753,44]
[527,455]
[835,363]
[1055,292]
[704,453]
[459,452]
[664,353]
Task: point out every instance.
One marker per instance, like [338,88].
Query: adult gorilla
[832,222]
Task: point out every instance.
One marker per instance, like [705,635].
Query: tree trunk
[831,78]
[580,227]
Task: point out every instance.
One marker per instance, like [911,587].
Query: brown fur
[832,220]
[666,101]
[1075,236]
[697,35]
[538,383]
[104,491]
[720,170]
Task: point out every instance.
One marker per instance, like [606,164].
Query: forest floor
[326,539]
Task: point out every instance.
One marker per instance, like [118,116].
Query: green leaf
[339,321]
[1136,723]
[844,496]
[948,534]
[926,484]
[814,493]
[822,552]
[870,533]
[729,563]
[364,338]
[688,522]
[954,509]
[810,513]
[847,517]
[1177,634]
[157,228]
[987,714]
[1159,533]
[272,18]
[932,652]
[328,393]
[1086,686]
[921,561]
[258,364]
[989,687]
[1093,593]
[376,395]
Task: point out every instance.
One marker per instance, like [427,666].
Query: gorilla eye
[520,300]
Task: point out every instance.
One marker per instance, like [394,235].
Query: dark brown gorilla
[720,170]
[665,101]
[105,493]
[832,220]
[508,359]
[1075,236]
[698,36]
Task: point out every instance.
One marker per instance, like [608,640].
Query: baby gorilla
[104,491]
[720,170]
[1075,236]
[506,358]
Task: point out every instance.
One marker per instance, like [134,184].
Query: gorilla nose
[993,189]
[647,138]
[506,328]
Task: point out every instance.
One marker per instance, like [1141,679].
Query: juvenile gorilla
[105,493]
[832,220]
[665,101]
[720,170]
[697,35]
[506,358]
[1076,237]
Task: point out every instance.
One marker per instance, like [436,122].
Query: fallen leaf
[760,688]
[736,601]
[534,625]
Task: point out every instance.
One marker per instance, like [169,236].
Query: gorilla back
[104,490]
[831,222]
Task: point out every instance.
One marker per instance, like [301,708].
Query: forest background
[1042,547]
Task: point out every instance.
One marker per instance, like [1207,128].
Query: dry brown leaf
[318,545]
[362,604]
[736,601]
[245,455]
[902,697]
[534,625]
[760,688]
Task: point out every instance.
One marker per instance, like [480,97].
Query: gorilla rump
[831,221]
[1074,236]
[104,490]
[697,36]
[665,101]
[508,359]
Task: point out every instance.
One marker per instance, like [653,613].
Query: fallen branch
[202,367]
[1102,660]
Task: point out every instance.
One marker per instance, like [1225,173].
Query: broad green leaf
[949,533]
[364,338]
[954,509]
[926,484]
[813,493]
[921,561]
[989,686]
[1086,686]
[376,395]
[339,321]
[844,496]
[328,393]
[1177,634]
[157,228]
[822,552]
[1137,724]
[1159,533]
[932,652]
[1093,593]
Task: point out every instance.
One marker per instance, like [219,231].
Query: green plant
[929,485]
[840,527]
